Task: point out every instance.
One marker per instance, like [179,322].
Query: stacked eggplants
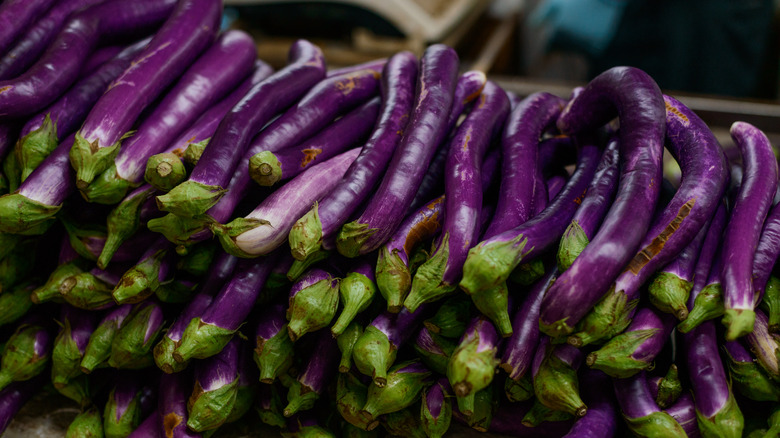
[398,245]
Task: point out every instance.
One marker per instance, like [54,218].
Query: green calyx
[738,322]
[273,356]
[656,425]
[451,317]
[115,425]
[494,303]
[9,242]
[165,171]
[313,308]
[610,316]
[122,222]
[194,151]
[50,291]
[86,291]
[34,147]
[190,199]
[406,423]
[15,303]
[108,188]
[177,229]
[351,238]
[346,340]
[19,360]
[728,422]
[438,359]
[13,174]
[66,358]
[132,344]
[201,340]
[245,397]
[616,357]
[669,294]
[83,236]
[78,390]
[227,234]
[707,305]
[573,242]
[209,409]
[19,214]
[428,284]
[198,261]
[527,274]
[356,292]
[18,265]
[270,410]
[518,390]
[393,277]
[99,346]
[470,370]
[540,413]
[752,382]
[163,356]
[90,159]
[299,267]
[557,387]
[265,169]
[669,389]
[306,235]
[479,409]
[140,281]
[436,426]
[418,256]
[490,264]
[350,399]
[176,292]
[771,303]
[373,354]
[402,389]
[87,424]
[299,398]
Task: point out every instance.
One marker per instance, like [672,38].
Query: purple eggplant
[210,178]
[520,145]
[193,24]
[142,280]
[215,389]
[439,275]
[356,292]
[747,376]
[98,348]
[684,413]
[207,334]
[434,350]
[316,230]
[100,56]
[246,386]
[554,185]
[319,369]
[743,231]
[211,76]
[638,102]
[123,411]
[346,342]
[767,252]
[436,410]
[473,363]
[163,351]
[268,168]
[314,299]
[405,383]
[17,15]
[26,354]
[87,423]
[602,416]
[70,344]
[505,421]
[172,409]
[642,415]
[636,348]
[423,133]
[375,351]
[15,396]
[765,345]
[266,227]
[274,349]
[556,384]
[132,345]
[594,206]
[269,406]
[667,389]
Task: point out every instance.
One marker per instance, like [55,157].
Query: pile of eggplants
[191,238]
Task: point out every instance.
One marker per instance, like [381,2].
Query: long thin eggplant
[310,385]
[643,416]
[132,345]
[747,376]
[163,351]
[215,389]
[98,348]
[172,412]
[602,416]
[16,16]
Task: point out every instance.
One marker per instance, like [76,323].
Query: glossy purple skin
[8,137]
[149,428]
[397,90]
[434,396]
[571,356]
[110,277]
[539,352]
[333,139]
[684,265]
[156,318]
[424,132]
[219,370]
[601,420]
[399,327]
[194,308]
[648,318]
[463,181]
[601,191]
[38,36]
[377,64]
[99,57]
[190,29]
[234,302]
[554,186]
[506,420]
[640,107]
[60,65]
[469,86]
[15,395]
[174,392]
[634,396]
[312,276]
[322,364]
[737,352]
[117,315]
[432,183]
[684,412]
[220,270]
[520,151]
[709,253]
[70,110]
[540,197]
[125,391]
[705,369]
[272,321]
[54,179]
[767,251]
[306,67]
[482,327]
[16,16]
[82,324]
[519,349]
[217,71]
[43,342]
[205,126]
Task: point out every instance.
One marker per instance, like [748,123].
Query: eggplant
[436,410]
[124,412]
[314,300]
[15,303]
[667,389]
[14,397]
[70,344]
[350,398]
[26,354]
[765,345]
[215,389]
[434,350]
[405,383]
[684,413]
[172,409]
[346,341]
[771,303]
[274,349]
[473,363]
[98,348]
[133,342]
[601,418]
[142,280]
[314,377]
[87,423]
[556,384]
[356,292]
[268,406]
[643,416]
[748,377]
[163,351]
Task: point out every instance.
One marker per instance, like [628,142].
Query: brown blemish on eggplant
[309,155]
[6,88]
[676,112]
[578,199]
[170,421]
[179,152]
[647,253]
[423,229]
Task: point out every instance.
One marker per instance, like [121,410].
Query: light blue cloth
[587,25]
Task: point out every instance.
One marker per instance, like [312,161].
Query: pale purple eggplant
[268,168]
[594,206]
[193,25]
[98,348]
[306,425]
[473,363]
[15,396]
[425,130]
[26,353]
[749,378]
[207,334]
[434,350]
[440,274]
[375,351]
[123,411]
[356,292]
[267,226]
[215,389]
[636,348]
[172,412]
[132,345]
[217,71]
[154,267]
[520,148]
[556,384]
[436,410]
[273,347]
[601,419]
[71,344]
[405,383]
[765,345]
[642,415]
[743,231]
[163,351]
[311,383]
